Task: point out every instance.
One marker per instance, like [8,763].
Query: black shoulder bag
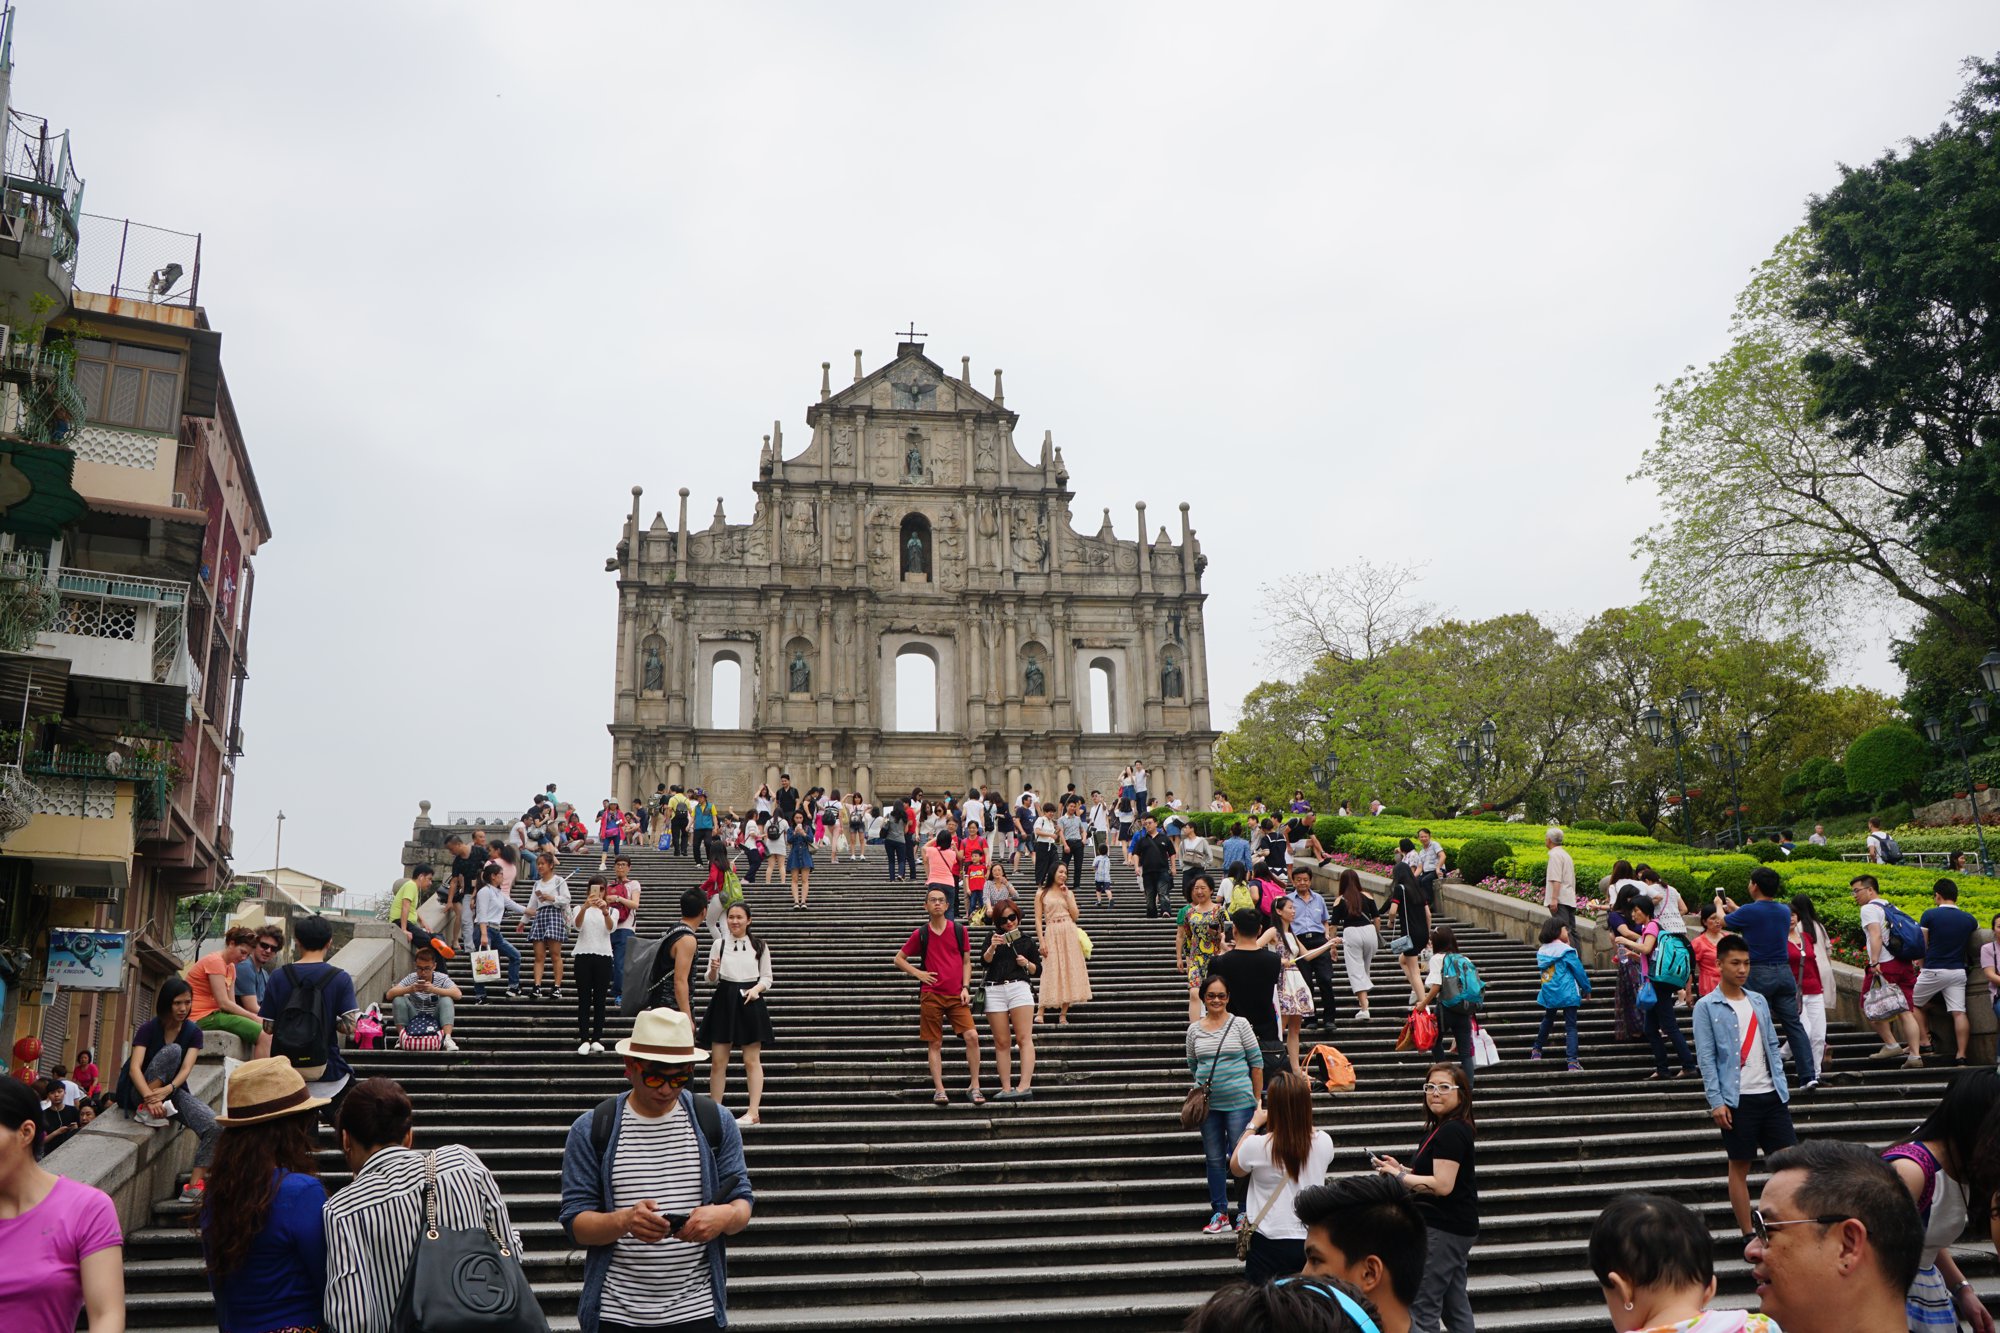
[464,1281]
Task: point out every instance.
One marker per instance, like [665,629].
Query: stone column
[1197,669]
[1149,667]
[1145,555]
[823,675]
[775,666]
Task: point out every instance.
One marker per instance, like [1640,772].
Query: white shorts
[1005,995]
[1946,981]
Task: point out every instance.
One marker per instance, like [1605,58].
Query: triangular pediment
[913,380]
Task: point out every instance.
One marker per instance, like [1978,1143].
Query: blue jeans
[1774,982]
[1569,1030]
[1661,1024]
[496,939]
[1219,1133]
[621,940]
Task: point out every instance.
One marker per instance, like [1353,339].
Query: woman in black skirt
[740,965]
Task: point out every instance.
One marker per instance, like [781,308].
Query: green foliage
[1905,261]
[1477,858]
[1328,827]
[1887,761]
[1732,880]
[1397,810]
[1626,828]
[1599,826]
[1943,782]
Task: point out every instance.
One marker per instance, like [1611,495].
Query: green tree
[1904,274]
[1886,762]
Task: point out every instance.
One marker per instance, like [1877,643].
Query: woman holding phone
[1012,961]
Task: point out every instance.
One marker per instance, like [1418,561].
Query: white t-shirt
[1875,846]
[517,836]
[592,935]
[1755,1076]
[1045,830]
[1872,914]
[973,812]
[1282,1222]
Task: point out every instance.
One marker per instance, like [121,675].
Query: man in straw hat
[653,1179]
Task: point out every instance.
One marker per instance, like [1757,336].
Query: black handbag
[466,1281]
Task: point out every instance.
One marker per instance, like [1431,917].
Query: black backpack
[300,1031]
[922,960]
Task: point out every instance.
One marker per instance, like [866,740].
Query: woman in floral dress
[1199,937]
[1065,975]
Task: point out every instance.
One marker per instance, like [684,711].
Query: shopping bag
[1485,1051]
[485,965]
[1419,1033]
[1882,1000]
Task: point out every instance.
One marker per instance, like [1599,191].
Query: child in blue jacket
[1564,984]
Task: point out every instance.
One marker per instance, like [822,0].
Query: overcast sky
[1395,281]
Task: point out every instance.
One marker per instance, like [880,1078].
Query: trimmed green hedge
[1478,857]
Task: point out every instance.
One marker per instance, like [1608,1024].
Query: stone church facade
[910,524]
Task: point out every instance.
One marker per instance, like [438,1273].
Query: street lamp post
[1473,751]
[1323,773]
[1717,755]
[1566,792]
[1683,715]
[1933,728]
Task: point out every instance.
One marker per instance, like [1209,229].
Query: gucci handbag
[466,1281]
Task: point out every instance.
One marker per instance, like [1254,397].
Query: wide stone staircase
[1083,1208]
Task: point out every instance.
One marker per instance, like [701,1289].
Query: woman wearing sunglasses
[1012,960]
[1441,1178]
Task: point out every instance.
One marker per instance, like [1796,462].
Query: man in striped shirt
[651,1184]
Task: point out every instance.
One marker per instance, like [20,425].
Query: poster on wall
[87,959]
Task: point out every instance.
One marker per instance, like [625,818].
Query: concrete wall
[138,1167]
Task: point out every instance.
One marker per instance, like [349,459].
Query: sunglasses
[657,1076]
[266,946]
[1762,1230]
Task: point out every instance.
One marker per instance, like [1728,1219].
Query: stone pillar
[1187,550]
[1145,553]
[775,666]
[1149,666]
[676,775]
[1197,670]
[823,672]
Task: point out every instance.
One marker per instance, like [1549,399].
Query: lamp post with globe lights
[1323,773]
[1979,710]
[1719,755]
[1683,715]
[1475,750]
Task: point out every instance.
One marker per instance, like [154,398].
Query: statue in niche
[843,446]
[801,682]
[989,521]
[913,457]
[800,542]
[1170,677]
[654,678]
[1038,685]
[989,457]
[843,534]
[915,559]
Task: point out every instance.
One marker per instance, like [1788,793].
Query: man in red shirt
[944,966]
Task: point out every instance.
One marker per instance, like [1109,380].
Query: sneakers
[1575,1067]
[449,1044]
[1217,1225]
[597,1048]
[1363,1015]
[193,1191]
[583,1048]
[1535,1054]
[144,1117]
[1890,1051]
[1916,1061]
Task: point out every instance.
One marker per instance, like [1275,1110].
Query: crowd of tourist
[653,1180]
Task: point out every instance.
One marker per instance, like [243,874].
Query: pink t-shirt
[42,1253]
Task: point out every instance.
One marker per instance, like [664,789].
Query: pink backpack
[368,1028]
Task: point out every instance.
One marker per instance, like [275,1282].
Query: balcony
[41,199]
[136,261]
[39,400]
[115,627]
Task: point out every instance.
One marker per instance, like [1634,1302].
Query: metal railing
[43,187]
[120,607]
[43,403]
[139,262]
[148,776]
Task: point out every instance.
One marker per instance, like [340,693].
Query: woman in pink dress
[1065,975]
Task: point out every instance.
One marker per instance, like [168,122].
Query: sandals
[939,1099]
[978,1097]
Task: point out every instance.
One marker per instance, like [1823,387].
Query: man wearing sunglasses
[1835,1241]
[653,1180]
[251,975]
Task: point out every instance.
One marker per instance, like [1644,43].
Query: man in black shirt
[1252,977]
[786,799]
[467,862]
[1156,853]
[1271,850]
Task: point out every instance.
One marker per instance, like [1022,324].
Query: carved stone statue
[989,457]
[1170,677]
[1037,683]
[801,682]
[843,445]
[654,678]
[914,556]
[913,457]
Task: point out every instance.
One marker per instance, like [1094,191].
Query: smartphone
[1373,1156]
[675,1221]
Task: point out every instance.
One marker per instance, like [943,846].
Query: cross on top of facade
[911,335]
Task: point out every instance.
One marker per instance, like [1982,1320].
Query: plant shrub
[1626,828]
[1478,857]
[1399,811]
[1732,880]
[1328,827]
[1595,826]
[1767,852]
[1889,760]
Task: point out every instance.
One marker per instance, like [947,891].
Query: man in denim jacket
[650,1190]
[1742,1071]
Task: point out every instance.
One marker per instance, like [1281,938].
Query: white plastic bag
[1484,1050]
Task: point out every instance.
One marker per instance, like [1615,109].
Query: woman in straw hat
[261,1227]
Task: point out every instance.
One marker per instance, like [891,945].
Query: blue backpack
[1672,961]
[1459,984]
[1901,936]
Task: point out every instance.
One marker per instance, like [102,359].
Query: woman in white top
[774,847]
[1282,1154]
[594,922]
[740,965]
[548,920]
[764,799]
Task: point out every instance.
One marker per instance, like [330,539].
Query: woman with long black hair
[1413,924]
[1282,1154]
[1934,1165]
[262,1233]
[1440,1176]
[1353,912]
[1811,955]
[157,1071]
